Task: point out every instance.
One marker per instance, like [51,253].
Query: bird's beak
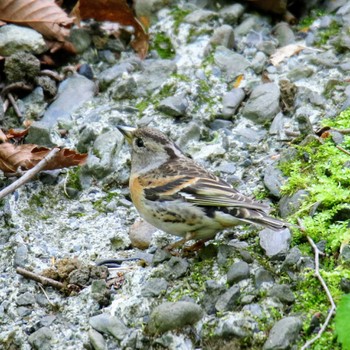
[127,131]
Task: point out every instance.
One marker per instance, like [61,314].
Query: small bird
[180,197]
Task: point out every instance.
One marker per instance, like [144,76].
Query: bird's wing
[218,193]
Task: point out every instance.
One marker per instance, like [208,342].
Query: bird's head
[149,148]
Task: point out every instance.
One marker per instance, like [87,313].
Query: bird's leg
[197,246]
[189,236]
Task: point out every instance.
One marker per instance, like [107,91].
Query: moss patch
[324,171]
[162,44]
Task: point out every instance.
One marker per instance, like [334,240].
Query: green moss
[323,170]
[142,105]
[162,44]
[326,34]
[178,15]
[307,21]
[73,179]
[100,204]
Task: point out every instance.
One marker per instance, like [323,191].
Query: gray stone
[47,320]
[275,243]
[254,309]
[154,74]
[300,72]
[304,125]
[191,133]
[154,287]
[267,47]
[96,339]
[106,323]
[223,36]
[160,256]
[345,254]
[87,137]
[174,106]
[225,252]
[21,256]
[21,66]
[231,101]
[80,38]
[24,299]
[105,152]
[236,325]
[100,292]
[274,180]
[200,16]
[169,316]
[259,62]
[41,339]
[17,38]
[48,85]
[284,34]
[263,103]
[176,267]
[263,277]
[23,311]
[289,205]
[231,14]
[141,233]
[283,293]
[283,334]
[228,300]
[232,63]
[108,76]
[213,290]
[238,272]
[326,59]
[291,259]
[250,23]
[123,88]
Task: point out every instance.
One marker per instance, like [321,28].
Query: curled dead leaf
[13,157]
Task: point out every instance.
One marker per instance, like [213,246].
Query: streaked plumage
[180,197]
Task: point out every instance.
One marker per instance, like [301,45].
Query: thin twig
[6,105]
[45,281]
[342,131]
[30,173]
[14,105]
[47,297]
[324,285]
[52,74]
[343,149]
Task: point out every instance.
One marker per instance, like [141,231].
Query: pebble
[96,339]
[231,101]
[105,323]
[222,36]
[21,66]
[213,290]
[25,299]
[236,325]
[237,272]
[155,287]
[228,300]
[141,233]
[169,316]
[283,334]
[232,63]
[263,278]
[174,106]
[176,267]
[17,38]
[232,13]
[284,34]
[21,256]
[41,339]
[263,104]
[283,292]
[274,180]
[289,205]
[200,16]
[275,243]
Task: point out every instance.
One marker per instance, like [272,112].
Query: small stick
[47,297]
[14,105]
[324,285]
[16,86]
[6,105]
[342,131]
[30,173]
[45,281]
[343,149]
[51,74]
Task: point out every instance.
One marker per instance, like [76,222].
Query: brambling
[180,197]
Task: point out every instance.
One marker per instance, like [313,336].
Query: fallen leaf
[45,16]
[13,157]
[285,52]
[238,81]
[115,11]
[16,133]
[3,137]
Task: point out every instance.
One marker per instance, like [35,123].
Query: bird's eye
[139,142]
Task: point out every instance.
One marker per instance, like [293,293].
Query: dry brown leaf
[17,133]
[285,52]
[27,156]
[45,16]
[115,11]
